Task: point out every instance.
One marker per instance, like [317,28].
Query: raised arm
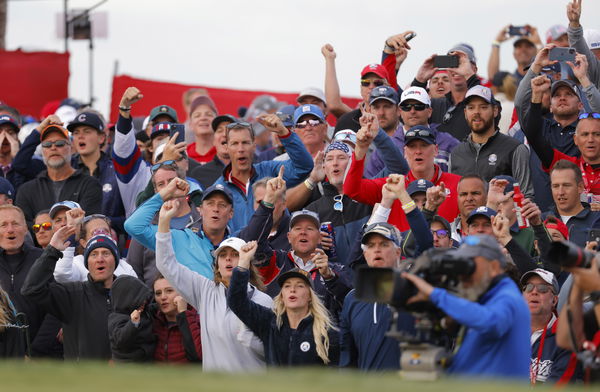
[300,195]
[580,70]
[576,39]
[494,60]
[332,89]
[533,127]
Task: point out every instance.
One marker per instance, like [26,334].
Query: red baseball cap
[557,224]
[377,69]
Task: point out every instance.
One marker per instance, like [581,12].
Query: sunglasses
[94,216]
[583,116]
[344,136]
[170,163]
[441,233]
[306,123]
[422,133]
[239,124]
[419,107]
[45,225]
[57,143]
[541,288]
[368,82]
[338,205]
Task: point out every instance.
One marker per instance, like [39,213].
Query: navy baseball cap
[294,273]
[6,119]
[6,188]
[90,119]
[163,109]
[383,92]
[217,188]
[221,119]
[481,211]
[420,185]
[62,205]
[286,114]
[564,82]
[308,109]
[385,230]
[420,132]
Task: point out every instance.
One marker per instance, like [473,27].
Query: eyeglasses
[57,143]
[306,123]
[441,233]
[94,216]
[368,82]
[541,288]
[45,226]
[338,205]
[419,107]
[345,136]
[420,132]
[583,116]
[170,164]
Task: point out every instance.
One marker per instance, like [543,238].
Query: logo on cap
[481,209]
[417,92]
[81,118]
[5,118]
[164,109]
[219,187]
[305,108]
[373,66]
[382,90]
[421,182]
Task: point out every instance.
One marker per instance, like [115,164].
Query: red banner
[31,79]
[161,93]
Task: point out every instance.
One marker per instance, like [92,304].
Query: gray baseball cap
[481,245]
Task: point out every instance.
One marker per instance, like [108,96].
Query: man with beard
[60,181]
[486,151]
[489,306]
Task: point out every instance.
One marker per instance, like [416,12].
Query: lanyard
[535,367]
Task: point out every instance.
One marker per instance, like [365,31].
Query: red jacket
[179,342]
[369,192]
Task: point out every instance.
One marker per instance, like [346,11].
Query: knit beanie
[101,241]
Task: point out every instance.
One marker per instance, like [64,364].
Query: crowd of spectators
[233,240]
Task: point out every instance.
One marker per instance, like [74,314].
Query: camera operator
[494,340]
[578,322]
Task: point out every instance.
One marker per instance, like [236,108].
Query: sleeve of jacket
[593,96]
[300,164]
[523,98]
[139,224]
[189,284]
[340,285]
[420,229]
[130,168]
[492,319]
[521,170]
[577,41]
[40,287]
[522,260]
[388,155]
[121,331]
[255,316]
[192,347]
[66,270]
[91,196]
[348,349]
[360,189]
[532,128]
[24,164]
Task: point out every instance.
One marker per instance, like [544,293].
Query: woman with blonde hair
[12,342]
[227,345]
[298,329]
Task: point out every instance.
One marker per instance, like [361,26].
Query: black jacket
[129,342]
[12,281]
[38,194]
[208,173]
[283,346]
[82,307]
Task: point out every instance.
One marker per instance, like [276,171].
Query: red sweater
[173,340]
[369,192]
[191,151]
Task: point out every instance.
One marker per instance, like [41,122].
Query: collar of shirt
[309,266]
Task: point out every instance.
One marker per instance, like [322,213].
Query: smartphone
[594,235]
[518,31]
[178,128]
[410,36]
[445,61]
[562,54]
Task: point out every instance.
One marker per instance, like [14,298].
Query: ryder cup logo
[304,346]
[492,159]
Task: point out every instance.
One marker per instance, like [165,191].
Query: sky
[271,45]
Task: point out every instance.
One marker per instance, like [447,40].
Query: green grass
[91,377]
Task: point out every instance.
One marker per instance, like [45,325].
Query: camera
[567,254]
[439,267]
[426,353]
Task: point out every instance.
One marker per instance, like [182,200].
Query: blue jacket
[363,340]
[193,250]
[296,170]
[496,340]
[283,346]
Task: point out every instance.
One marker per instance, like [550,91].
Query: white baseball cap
[416,93]
[231,242]
[592,37]
[312,92]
